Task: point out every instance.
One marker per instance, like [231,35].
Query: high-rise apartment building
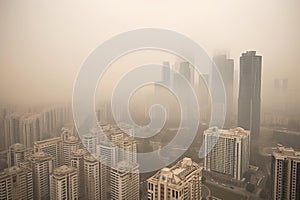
[250,92]
[42,166]
[181,181]
[64,183]
[52,147]
[77,161]
[12,130]
[285,173]
[30,129]
[17,154]
[227,151]
[16,183]
[124,181]
[95,177]
[90,141]
[69,144]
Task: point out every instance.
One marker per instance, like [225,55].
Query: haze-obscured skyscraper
[12,129]
[227,151]
[250,92]
[166,73]
[285,173]
[226,70]
[16,154]
[182,181]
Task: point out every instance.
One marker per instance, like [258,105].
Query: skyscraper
[30,129]
[285,173]
[185,70]
[250,92]
[226,70]
[16,154]
[12,130]
[227,151]
[16,183]
[166,74]
[77,161]
[64,183]
[52,147]
[95,177]
[182,181]
[90,141]
[42,167]
[70,144]
[124,181]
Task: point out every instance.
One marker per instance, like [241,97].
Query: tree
[250,187]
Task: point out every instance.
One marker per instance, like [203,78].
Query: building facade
[64,183]
[250,92]
[285,173]
[227,151]
[124,181]
[16,183]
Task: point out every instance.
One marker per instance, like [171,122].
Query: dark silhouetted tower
[250,92]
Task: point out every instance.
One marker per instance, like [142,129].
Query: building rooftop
[63,170]
[177,173]
[13,170]
[126,166]
[40,156]
[234,133]
[286,152]
[18,147]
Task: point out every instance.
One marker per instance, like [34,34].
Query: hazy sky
[43,43]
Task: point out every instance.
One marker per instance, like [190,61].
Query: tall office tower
[124,181]
[166,74]
[16,154]
[70,144]
[95,177]
[77,161]
[31,129]
[16,183]
[181,181]
[52,147]
[90,141]
[185,70]
[204,97]
[285,173]
[226,70]
[64,183]
[12,129]
[42,166]
[249,92]
[227,151]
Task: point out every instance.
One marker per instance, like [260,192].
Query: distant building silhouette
[250,92]
[226,70]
